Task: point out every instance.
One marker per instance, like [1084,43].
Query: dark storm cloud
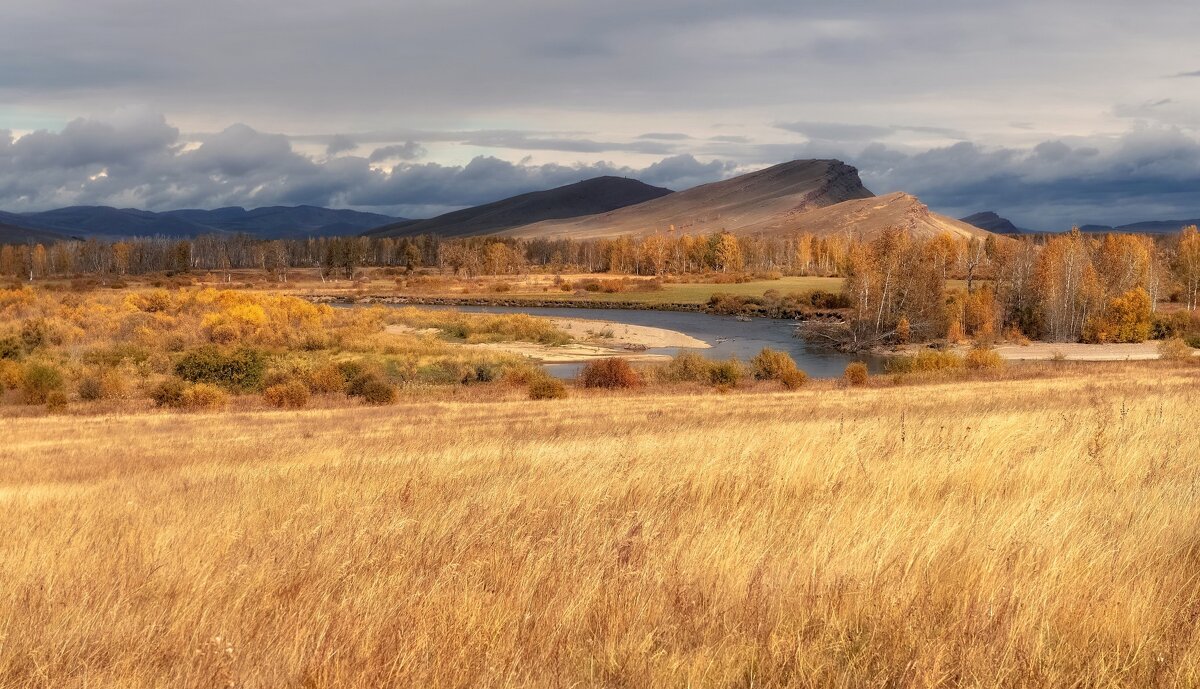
[1146,174]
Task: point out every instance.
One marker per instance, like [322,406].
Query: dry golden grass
[1011,533]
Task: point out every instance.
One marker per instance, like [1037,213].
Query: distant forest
[1073,286]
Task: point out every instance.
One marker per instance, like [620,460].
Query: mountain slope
[787,189]
[992,222]
[867,218]
[15,234]
[596,195]
[274,222]
[291,221]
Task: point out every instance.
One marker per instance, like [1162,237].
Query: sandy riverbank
[1073,351]
[594,339]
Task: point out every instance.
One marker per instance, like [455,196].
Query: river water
[726,335]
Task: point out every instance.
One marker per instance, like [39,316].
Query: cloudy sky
[1051,113]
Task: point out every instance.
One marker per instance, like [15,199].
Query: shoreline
[601,339]
[1056,351]
[566,303]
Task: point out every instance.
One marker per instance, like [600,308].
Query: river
[727,336]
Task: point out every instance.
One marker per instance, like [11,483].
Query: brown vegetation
[1037,533]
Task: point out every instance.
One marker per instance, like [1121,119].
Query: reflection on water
[727,336]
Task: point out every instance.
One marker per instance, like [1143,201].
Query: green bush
[38,381]
[241,369]
[546,387]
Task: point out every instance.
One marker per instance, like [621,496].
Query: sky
[1050,113]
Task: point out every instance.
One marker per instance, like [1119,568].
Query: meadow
[1024,532]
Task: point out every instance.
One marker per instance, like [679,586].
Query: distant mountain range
[596,195]
[992,222]
[1144,227]
[816,196]
[273,222]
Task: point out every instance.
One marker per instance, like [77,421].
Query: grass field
[1016,533]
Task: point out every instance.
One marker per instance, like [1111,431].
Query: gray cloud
[340,143]
[142,161]
[410,150]
[665,136]
[467,63]
[840,131]
[138,159]
[1182,75]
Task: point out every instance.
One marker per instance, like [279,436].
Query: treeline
[802,254]
[1071,287]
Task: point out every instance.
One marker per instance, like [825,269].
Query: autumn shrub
[924,361]
[223,334]
[685,367]
[377,392]
[101,384]
[35,333]
[772,364]
[11,347]
[1126,318]
[168,393]
[726,373]
[856,374]
[11,375]
[204,396]
[39,380]
[91,388]
[241,369]
[325,379]
[1174,348]
[153,301]
[116,355]
[56,400]
[609,373]
[979,358]
[546,387]
[290,395]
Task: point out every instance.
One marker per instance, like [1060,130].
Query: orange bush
[609,373]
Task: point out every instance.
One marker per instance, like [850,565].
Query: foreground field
[1018,533]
